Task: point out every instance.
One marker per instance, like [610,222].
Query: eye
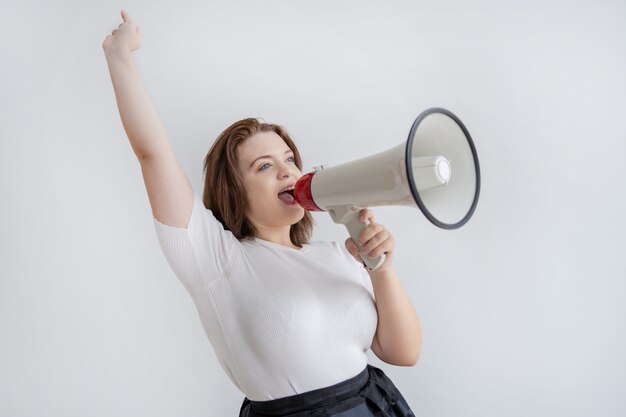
[292,158]
[261,169]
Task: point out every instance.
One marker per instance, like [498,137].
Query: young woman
[290,320]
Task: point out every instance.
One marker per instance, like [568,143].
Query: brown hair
[224,192]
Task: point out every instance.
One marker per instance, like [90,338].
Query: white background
[522,309]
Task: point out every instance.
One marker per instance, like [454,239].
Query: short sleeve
[203,251]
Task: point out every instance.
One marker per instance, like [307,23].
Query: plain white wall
[522,309]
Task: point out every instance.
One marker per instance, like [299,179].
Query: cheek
[260,193]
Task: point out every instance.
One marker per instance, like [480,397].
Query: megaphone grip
[355,228]
[349,217]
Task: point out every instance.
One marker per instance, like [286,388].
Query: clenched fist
[127,36]
[374,241]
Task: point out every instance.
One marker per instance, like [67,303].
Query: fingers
[378,245]
[127,19]
[375,239]
[366,214]
[370,231]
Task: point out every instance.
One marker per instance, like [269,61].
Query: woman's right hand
[127,36]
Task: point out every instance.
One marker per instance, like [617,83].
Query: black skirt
[369,394]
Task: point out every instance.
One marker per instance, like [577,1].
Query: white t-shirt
[281,321]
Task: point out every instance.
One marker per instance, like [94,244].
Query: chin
[299,217]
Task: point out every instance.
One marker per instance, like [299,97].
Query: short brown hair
[224,192]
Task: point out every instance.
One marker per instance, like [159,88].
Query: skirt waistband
[313,399]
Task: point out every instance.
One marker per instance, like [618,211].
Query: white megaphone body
[436,169]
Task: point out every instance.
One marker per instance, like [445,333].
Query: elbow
[142,157]
[404,361]
[411,362]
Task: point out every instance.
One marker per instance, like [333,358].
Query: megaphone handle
[349,217]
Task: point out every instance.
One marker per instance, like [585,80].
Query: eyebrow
[267,156]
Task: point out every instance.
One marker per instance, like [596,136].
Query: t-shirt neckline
[304,248]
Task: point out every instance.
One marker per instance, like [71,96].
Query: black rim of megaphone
[409,171]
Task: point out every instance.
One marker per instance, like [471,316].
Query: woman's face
[267,166]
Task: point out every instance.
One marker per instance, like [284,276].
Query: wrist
[116,52]
[381,272]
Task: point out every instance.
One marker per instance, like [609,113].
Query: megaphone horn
[435,169]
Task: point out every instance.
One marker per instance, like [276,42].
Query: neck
[279,235]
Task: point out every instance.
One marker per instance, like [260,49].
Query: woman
[290,320]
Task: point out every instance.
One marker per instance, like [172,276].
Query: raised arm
[169,190]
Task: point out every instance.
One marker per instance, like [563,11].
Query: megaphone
[436,169]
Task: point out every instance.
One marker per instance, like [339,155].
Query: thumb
[125,16]
[352,249]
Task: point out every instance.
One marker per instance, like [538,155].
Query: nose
[286,170]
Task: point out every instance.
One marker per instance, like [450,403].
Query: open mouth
[287,197]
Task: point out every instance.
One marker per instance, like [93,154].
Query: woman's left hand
[375,240]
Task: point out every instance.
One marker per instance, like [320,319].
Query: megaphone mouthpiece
[302,193]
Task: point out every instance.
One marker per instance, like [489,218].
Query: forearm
[399,331]
[139,117]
